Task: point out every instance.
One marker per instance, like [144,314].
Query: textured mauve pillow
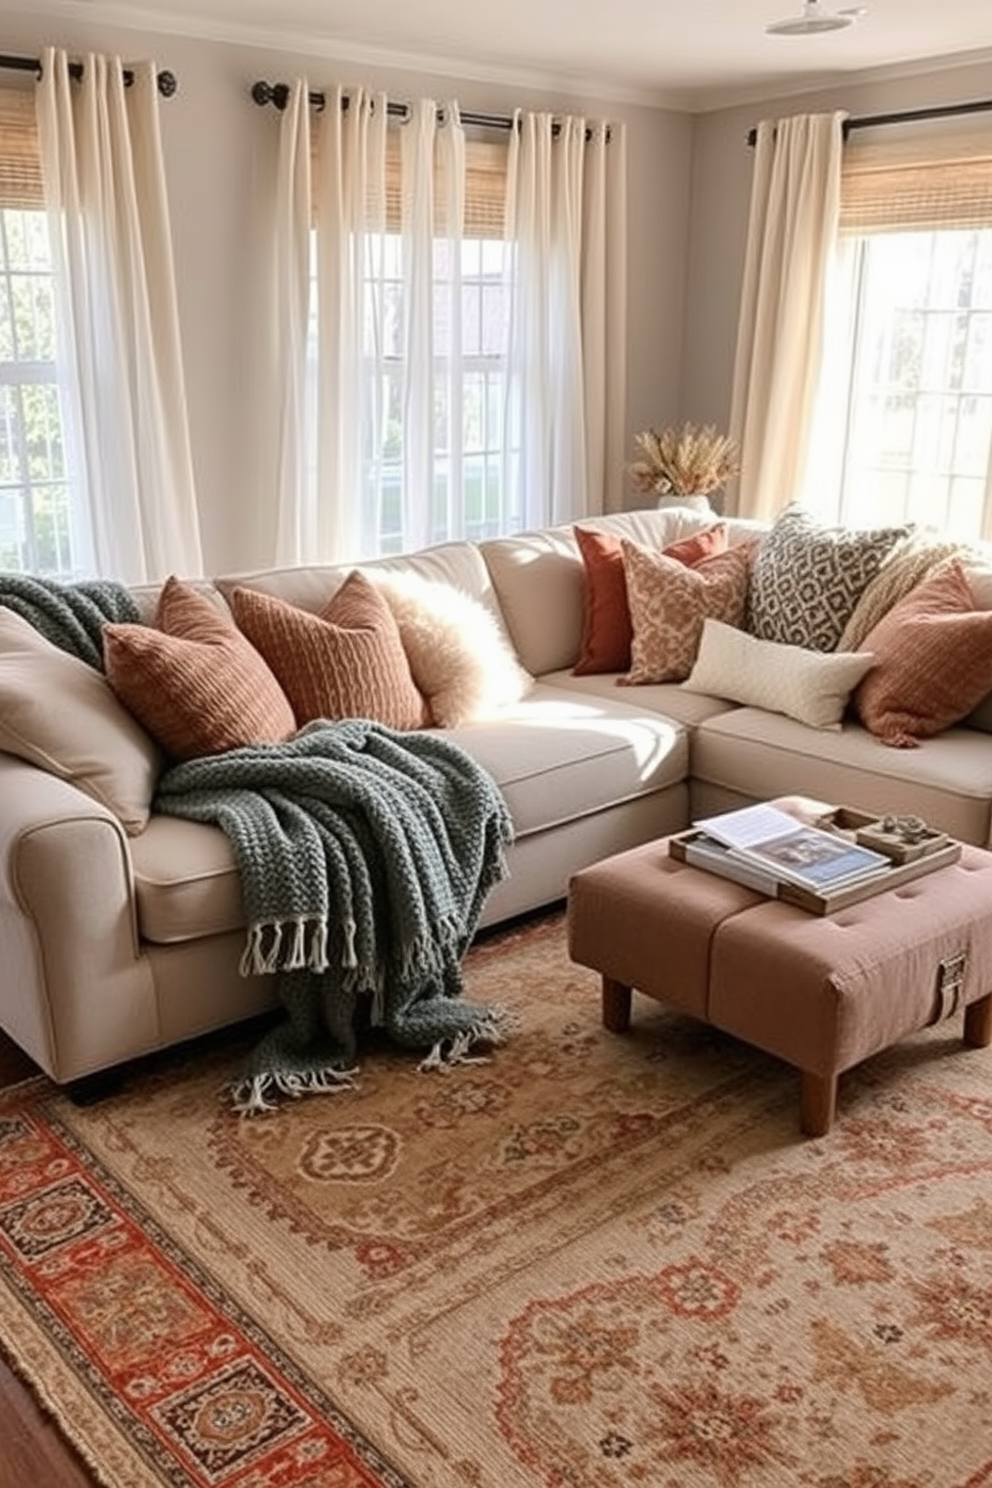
[61,714]
[808,578]
[669,603]
[933,655]
[607,630]
[194,681]
[346,662]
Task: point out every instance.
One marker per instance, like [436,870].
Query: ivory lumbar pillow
[810,686]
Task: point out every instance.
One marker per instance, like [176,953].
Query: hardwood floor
[33,1453]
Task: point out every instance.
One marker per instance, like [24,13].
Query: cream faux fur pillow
[459,657]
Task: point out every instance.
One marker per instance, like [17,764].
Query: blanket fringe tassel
[494,1029]
[252,1095]
[268,949]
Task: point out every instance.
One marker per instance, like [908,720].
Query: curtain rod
[906,116]
[166,81]
[278,95]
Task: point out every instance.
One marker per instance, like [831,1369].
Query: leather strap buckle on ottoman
[950,985]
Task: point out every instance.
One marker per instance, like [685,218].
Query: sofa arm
[75,989]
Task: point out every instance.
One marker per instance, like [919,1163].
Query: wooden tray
[867,831]
[822,904]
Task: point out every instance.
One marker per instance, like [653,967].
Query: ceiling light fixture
[813,21]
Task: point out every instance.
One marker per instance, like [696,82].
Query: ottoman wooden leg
[616,1005]
[978,1022]
[817,1103]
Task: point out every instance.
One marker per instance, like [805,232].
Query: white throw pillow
[459,657]
[811,686]
[61,714]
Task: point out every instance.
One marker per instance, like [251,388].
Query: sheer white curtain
[566,213]
[122,363]
[792,235]
[375,430]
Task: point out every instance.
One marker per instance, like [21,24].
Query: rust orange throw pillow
[607,630]
[933,661]
[198,686]
[346,662]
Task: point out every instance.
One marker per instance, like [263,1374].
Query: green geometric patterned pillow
[807,579]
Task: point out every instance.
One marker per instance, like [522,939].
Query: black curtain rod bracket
[905,116]
[167,83]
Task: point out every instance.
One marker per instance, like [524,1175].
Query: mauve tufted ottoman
[820,991]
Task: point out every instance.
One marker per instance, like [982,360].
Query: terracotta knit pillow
[346,662]
[607,631]
[198,686]
[933,655]
[669,602]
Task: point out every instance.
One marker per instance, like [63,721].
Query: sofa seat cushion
[556,757]
[672,699]
[186,881]
[947,781]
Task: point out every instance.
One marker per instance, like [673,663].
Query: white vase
[694,503]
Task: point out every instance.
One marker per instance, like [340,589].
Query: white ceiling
[688,54]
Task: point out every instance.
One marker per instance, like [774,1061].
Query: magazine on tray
[779,844]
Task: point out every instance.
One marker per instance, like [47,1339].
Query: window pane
[919,418]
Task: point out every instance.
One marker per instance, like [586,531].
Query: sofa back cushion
[310,586]
[539,577]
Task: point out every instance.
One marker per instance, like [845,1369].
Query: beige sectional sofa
[117,945]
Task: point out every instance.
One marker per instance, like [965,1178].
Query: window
[466,452]
[911,351]
[460,478]
[35,511]
[35,529]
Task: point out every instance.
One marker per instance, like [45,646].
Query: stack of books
[765,848]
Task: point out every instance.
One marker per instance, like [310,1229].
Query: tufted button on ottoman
[820,991]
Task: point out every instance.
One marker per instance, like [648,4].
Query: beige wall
[216,144]
[721,184]
[688,186]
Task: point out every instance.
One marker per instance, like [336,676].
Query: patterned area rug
[596,1261]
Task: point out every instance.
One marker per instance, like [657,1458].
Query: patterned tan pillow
[606,627]
[933,654]
[346,662]
[194,681]
[669,602]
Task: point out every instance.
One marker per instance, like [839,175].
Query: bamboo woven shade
[943,182]
[485,187]
[20,161]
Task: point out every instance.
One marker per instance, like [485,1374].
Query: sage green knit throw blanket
[71,616]
[365,857]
